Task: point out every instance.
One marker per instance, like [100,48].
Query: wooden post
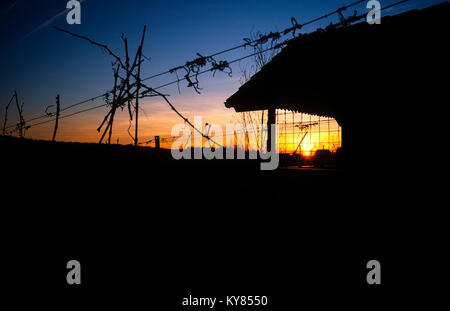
[260,139]
[6,114]
[57,117]
[110,115]
[113,110]
[138,86]
[113,113]
[21,120]
[271,119]
[157,142]
[6,120]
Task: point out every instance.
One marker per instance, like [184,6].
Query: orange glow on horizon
[83,128]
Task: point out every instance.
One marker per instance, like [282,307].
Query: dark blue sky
[40,62]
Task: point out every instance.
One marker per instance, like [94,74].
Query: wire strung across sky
[248,42]
[261,39]
[253,129]
[105,104]
[203,60]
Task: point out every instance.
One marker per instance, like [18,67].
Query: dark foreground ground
[149,230]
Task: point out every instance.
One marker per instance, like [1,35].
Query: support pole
[6,114]
[57,117]
[21,120]
[271,119]
[138,82]
[157,142]
[114,103]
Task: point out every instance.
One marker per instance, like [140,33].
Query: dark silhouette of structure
[373,79]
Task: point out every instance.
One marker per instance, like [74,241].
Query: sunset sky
[40,62]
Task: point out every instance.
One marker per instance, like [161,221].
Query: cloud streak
[46,23]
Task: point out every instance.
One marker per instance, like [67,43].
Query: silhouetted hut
[375,80]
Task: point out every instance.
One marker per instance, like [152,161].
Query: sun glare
[306,149]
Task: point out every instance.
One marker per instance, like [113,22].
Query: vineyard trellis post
[138,82]
[21,123]
[57,117]
[157,142]
[125,86]
[6,113]
[122,91]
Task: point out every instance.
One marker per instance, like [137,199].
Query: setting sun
[306,149]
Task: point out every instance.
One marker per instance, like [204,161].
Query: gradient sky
[40,62]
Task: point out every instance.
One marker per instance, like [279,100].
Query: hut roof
[317,73]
